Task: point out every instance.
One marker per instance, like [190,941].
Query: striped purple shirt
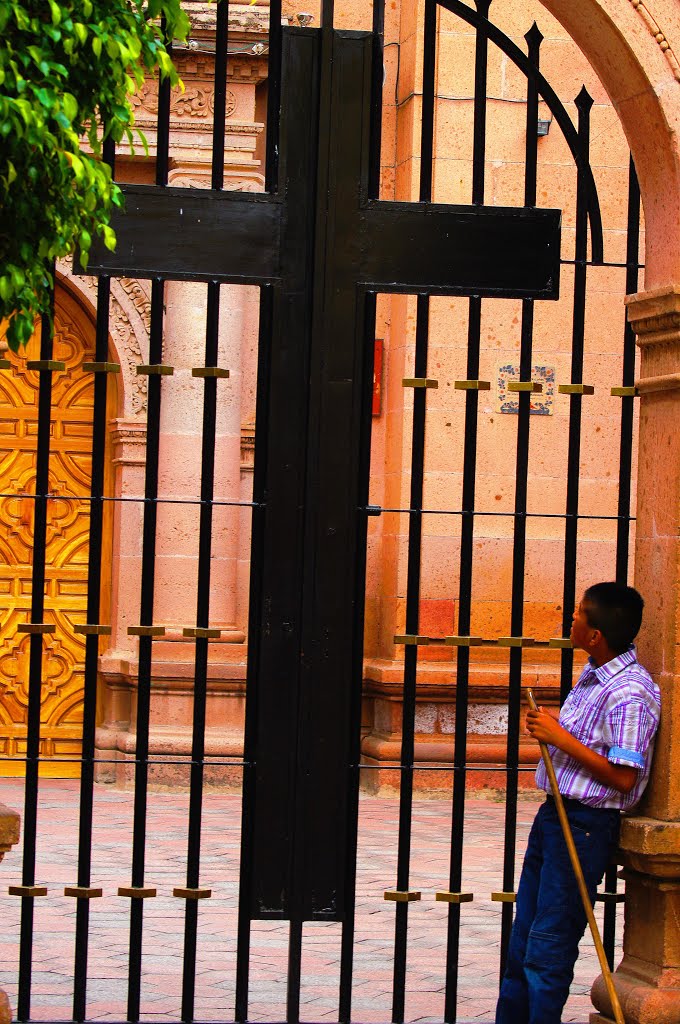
[614,710]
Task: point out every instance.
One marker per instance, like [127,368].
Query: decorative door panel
[67,545]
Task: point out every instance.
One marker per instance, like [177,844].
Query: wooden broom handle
[578,872]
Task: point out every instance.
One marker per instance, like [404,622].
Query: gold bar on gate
[534,386]
[516,641]
[192,894]
[610,897]
[146,630]
[82,892]
[472,385]
[412,640]
[454,897]
[136,892]
[45,364]
[576,389]
[402,895]
[463,641]
[101,367]
[154,370]
[92,629]
[36,627]
[503,897]
[209,371]
[199,633]
[27,891]
[619,392]
[560,641]
[420,382]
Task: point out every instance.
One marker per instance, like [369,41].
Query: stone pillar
[648,978]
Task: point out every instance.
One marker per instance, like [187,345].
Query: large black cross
[325,249]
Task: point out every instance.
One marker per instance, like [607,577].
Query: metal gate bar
[84,888]
[610,896]
[211,374]
[415,528]
[354,765]
[533,39]
[28,890]
[137,892]
[466,544]
[583,105]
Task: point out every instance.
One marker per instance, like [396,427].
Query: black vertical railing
[533,39]
[410,661]
[466,544]
[569,597]
[220,92]
[94,584]
[415,529]
[257,543]
[145,652]
[377,73]
[30,818]
[147,587]
[628,380]
[201,654]
[463,658]
[201,631]
[353,772]
[273,97]
[623,510]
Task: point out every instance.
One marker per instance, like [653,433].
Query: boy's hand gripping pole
[578,872]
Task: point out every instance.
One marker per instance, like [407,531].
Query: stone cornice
[655,315]
[655,318]
[651,846]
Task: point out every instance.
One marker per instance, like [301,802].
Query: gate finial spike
[534,38]
[584,101]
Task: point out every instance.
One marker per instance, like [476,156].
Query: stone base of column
[648,978]
[648,995]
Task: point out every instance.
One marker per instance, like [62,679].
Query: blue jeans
[549,916]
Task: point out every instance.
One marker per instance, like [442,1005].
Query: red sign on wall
[377,376]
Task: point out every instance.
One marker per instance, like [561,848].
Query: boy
[601,748]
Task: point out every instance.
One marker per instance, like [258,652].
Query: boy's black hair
[616,610]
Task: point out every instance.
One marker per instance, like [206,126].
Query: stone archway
[634,49]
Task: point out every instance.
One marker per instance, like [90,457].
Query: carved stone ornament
[129,323]
[659,35]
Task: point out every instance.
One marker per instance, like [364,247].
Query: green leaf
[69,105]
[97,46]
[56,13]
[109,236]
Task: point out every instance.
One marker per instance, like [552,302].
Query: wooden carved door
[67,544]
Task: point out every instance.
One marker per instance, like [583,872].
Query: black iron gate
[321,246]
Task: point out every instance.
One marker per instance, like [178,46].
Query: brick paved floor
[164,916]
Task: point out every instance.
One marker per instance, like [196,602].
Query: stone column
[648,978]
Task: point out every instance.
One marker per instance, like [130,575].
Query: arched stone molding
[129,321]
[639,69]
